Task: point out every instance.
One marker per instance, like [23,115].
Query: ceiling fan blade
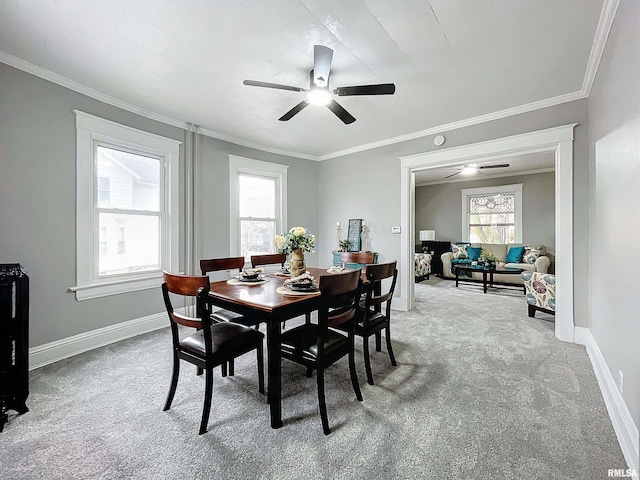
[255,83]
[380,89]
[452,175]
[340,112]
[294,111]
[322,57]
[502,165]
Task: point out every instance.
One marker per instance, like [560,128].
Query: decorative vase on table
[295,242]
[297,266]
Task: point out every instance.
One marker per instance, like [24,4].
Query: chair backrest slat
[268,259]
[217,264]
[187,286]
[357,257]
[340,296]
[376,273]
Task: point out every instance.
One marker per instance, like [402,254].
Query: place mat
[287,292]
[282,274]
[235,281]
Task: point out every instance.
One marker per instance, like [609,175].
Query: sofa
[532,258]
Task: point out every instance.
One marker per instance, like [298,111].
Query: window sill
[116,287]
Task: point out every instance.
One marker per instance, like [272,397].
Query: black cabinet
[14,340]
[438,247]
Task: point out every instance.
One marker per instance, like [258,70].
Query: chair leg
[367,359]
[307,318]
[532,311]
[352,372]
[260,355]
[322,403]
[207,400]
[199,371]
[223,369]
[309,372]
[231,367]
[387,336]
[174,382]
[378,341]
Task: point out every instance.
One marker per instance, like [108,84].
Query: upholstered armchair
[422,266]
[540,289]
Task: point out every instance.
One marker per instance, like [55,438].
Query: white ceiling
[522,164]
[450,60]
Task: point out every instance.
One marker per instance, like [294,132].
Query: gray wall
[367,185]
[439,207]
[213,194]
[614,111]
[37,195]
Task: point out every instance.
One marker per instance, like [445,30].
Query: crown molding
[607,16]
[529,107]
[50,76]
[605,22]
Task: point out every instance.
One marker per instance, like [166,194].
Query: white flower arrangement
[296,238]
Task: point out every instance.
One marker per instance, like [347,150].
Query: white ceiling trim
[607,16]
[45,74]
[529,107]
[488,177]
[605,23]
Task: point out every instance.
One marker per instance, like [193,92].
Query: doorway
[558,140]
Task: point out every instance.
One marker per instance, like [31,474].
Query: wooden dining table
[264,304]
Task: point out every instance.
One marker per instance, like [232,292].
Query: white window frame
[238,165]
[91,130]
[515,189]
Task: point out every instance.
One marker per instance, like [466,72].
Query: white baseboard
[626,430]
[83,342]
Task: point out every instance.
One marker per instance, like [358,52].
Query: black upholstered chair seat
[223,315]
[377,321]
[302,343]
[225,337]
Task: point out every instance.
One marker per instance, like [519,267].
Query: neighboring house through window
[258,205]
[492,214]
[127,207]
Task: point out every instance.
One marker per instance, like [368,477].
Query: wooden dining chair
[373,320]
[316,346]
[230,264]
[223,315]
[268,259]
[212,344]
[356,259]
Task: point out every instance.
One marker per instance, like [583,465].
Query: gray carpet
[481,391]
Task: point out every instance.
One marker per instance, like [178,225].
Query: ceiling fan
[472,168]
[319,93]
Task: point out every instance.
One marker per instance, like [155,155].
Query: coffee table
[487,274]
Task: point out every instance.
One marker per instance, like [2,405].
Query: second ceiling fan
[472,168]
[318,92]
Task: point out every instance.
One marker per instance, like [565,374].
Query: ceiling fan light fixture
[469,169]
[319,96]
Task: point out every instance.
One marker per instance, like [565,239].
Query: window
[258,205]
[492,214]
[127,207]
[104,190]
[103,240]
[121,249]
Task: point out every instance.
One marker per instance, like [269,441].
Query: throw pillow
[474,252]
[514,255]
[531,253]
[459,251]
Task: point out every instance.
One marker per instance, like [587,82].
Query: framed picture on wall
[353,234]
